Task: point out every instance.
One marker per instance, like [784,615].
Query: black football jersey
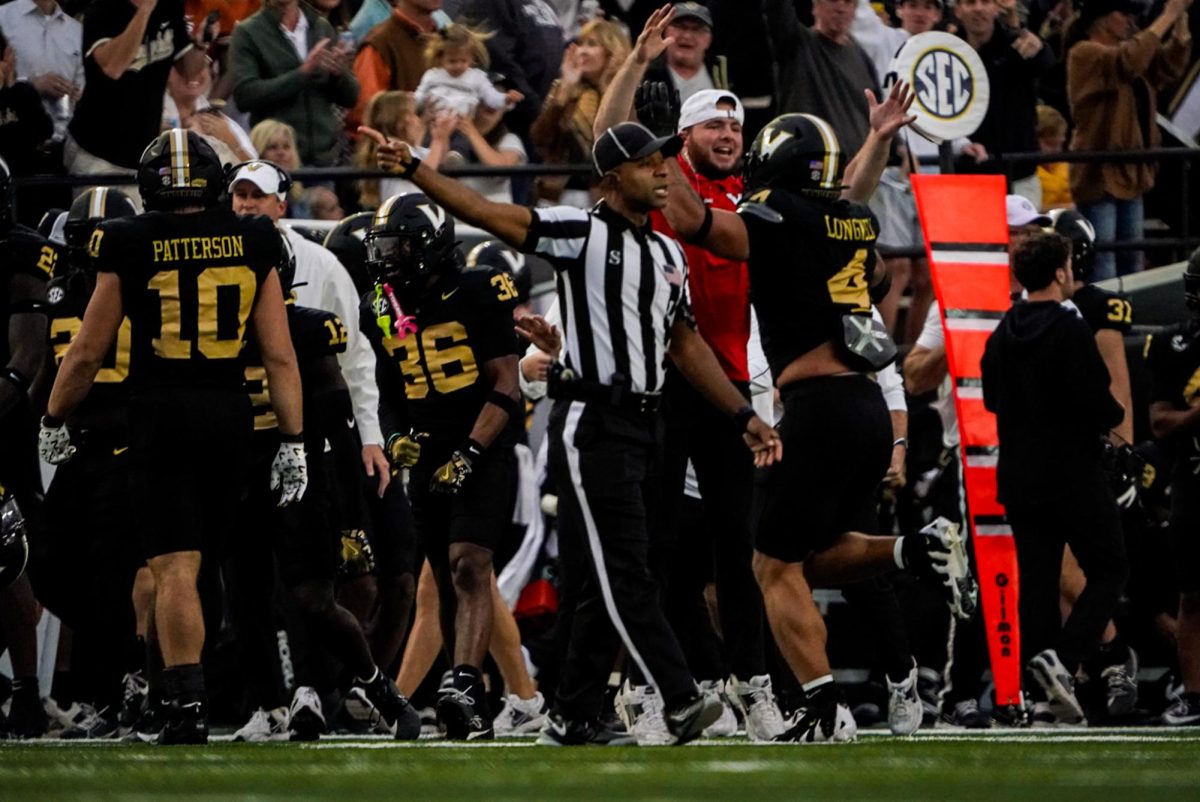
[462,321]
[808,268]
[1102,309]
[315,334]
[1173,356]
[23,252]
[188,284]
[105,405]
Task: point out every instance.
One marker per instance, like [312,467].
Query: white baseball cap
[704,106]
[1022,212]
[265,175]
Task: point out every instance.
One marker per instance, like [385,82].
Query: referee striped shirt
[621,288]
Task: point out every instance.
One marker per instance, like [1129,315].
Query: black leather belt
[562,384]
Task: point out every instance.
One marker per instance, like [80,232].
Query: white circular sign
[949,81]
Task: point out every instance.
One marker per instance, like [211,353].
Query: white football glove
[289,472]
[54,443]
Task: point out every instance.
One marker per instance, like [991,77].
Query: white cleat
[905,710]
[756,699]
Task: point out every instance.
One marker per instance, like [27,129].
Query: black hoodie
[1045,380]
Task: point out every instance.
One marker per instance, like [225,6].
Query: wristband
[471,449]
[902,441]
[51,422]
[298,437]
[506,403]
[16,378]
[699,234]
[742,417]
[411,168]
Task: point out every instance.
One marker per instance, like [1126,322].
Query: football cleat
[94,725]
[688,721]
[1121,689]
[756,699]
[1059,686]
[561,732]
[264,725]
[727,725]
[967,715]
[134,698]
[27,716]
[305,718]
[905,710]
[401,720]
[640,709]
[939,552]
[824,718]
[462,715]
[1184,713]
[929,688]
[520,716]
[187,724]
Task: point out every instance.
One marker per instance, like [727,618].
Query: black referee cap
[630,142]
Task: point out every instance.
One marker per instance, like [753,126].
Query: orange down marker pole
[966,240]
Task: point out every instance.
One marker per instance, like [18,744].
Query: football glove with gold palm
[289,471]
[357,557]
[404,450]
[450,477]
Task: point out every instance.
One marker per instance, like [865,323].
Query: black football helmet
[46,225]
[799,152]
[410,238]
[345,240]
[1077,228]
[1191,283]
[87,212]
[14,548]
[496,255]
[180,169]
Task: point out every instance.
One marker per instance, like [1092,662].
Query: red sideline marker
[966,240]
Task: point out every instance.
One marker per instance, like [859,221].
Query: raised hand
[653,40]
[892,114]
[541,334]
[392,155]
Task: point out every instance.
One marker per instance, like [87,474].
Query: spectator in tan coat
[1114,72]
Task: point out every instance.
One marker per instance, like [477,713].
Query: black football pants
[725,474]
[1084,517]
[606,465]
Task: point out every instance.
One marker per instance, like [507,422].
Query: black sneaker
[462,715]
[1120,685]
[966,714]
[929,688]
[187,724]
[150,725]
[134,699]
[402,717]
[1012,716]
[561,732]
[95,724]
[26,714]
[688,721]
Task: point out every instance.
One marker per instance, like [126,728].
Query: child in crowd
[1054,177]
[455,81]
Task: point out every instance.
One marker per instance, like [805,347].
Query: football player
[193,279]
[1174,358]
[26,262]
[448,337]
[810,242]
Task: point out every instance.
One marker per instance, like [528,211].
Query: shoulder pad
[761,211]
[316,333]
[28,253]
[488,285]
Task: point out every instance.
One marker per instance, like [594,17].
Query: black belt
[617,396]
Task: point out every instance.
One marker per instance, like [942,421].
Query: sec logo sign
[949,81]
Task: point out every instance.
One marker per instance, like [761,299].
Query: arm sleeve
[889,380]
[932,334]
[558,231]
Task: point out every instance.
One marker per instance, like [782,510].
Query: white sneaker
[904,706]
[727,725]
[640,708]
[520,716]
[263,725]
[1059,686]
[756,699]
[306,721]
[835,725]
[59,719]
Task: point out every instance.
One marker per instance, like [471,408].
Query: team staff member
[26,262]
[192,278]
[451,357]
[818,336]
[1175,419]
[1045,381]
[623,307]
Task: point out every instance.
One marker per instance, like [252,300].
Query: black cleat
[463,717]
[26,715]
[402,717]
[561,732]
[187,724]
[688,721]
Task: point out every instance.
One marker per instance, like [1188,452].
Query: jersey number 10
[218,289]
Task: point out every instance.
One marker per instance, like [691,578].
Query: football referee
[624,309]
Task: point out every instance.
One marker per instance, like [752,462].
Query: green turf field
[1098,767]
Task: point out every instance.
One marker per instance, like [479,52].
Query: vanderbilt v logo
[771,139]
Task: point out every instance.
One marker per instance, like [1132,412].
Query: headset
[285,180]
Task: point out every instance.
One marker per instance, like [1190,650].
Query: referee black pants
[606,464]
[1086,518]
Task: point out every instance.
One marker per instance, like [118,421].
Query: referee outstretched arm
[726,234]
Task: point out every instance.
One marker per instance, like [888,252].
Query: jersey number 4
[223,295]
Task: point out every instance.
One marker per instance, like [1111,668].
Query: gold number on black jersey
[170,343]
[115,367]
[505,289]
[46,259]
[848,287]
[337,331]
[1120,310]
[440,357]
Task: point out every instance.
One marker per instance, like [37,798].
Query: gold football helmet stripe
[180,169]
[385,209]
[829,166]
[97,202]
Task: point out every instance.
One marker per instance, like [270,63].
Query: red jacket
[719,288]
